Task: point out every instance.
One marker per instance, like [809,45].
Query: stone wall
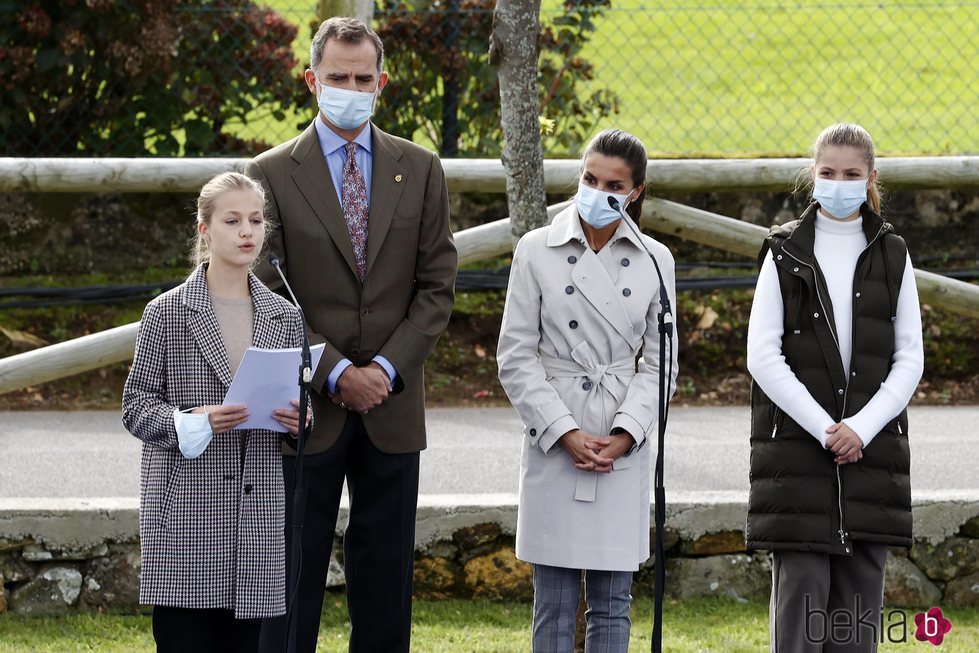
[62,555]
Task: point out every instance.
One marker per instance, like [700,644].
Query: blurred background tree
[144,77]
[444,89]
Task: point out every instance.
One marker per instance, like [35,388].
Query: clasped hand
[362,388]
[595,454]
[845,443]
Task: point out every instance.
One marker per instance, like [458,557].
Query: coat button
[779,257]
[587,385]
[573,324]
[533,432]
[795,269]
[569,290]
[625,262]
[355,352]
[815,314]
[364,312]
[248,489]
[626,292]
[853,373]
[572,259]
[840,391]
[858,294]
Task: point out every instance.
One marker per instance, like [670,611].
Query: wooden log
[486,241]
[476,175]
[68,358]
[111,175]
[742,238]
[116,345]
[492,239]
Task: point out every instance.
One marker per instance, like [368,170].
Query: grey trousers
[825,603]
[607,623]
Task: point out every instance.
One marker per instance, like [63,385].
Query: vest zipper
[846,387]
[839,497]
[775,416]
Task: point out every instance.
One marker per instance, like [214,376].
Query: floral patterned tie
[355,209]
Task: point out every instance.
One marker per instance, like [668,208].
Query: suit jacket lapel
[204,328]
[387,183]
[314,182]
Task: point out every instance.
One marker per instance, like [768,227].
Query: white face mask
[193,432]
[594,208]
[346,109]
[839,198]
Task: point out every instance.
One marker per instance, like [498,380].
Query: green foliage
[444,89]
[950,344]
[125,78]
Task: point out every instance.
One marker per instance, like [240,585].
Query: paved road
[471,451]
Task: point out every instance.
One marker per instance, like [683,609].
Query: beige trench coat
[574,325]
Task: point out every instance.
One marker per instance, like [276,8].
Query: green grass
[468,627]
[728,78]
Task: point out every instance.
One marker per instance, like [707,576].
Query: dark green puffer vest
[799,498]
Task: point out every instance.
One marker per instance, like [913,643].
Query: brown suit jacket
[407,296]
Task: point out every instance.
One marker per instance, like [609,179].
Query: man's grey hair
[344,30]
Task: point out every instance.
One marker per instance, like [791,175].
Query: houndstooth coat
[211,528]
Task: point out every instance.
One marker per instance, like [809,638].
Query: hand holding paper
[267,380]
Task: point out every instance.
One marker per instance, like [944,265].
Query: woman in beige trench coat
[581,308]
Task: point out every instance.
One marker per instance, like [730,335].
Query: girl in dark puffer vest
[834,348]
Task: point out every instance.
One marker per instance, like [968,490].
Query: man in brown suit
[364,240]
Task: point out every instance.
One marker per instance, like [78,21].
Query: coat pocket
[170,493]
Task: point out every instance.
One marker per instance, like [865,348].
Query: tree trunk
[514,50]
[363,10]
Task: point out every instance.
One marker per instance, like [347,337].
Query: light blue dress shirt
[335,152]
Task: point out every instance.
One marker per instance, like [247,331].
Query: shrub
[101,77]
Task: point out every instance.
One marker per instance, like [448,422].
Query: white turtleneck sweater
[837,247]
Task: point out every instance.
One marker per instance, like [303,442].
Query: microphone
[306,371]
[664,298]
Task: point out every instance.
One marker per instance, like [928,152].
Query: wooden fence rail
[486,241]
[475,175]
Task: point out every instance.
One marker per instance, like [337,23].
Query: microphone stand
[665,320]
[299,490]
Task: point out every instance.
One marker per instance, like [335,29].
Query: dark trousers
[809,588]
[378,544]
[193,630]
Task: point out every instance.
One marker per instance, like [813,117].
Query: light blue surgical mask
[346,109]
[594,208]
[193,432]
[839,199]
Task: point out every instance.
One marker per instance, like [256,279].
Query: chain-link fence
[691,78]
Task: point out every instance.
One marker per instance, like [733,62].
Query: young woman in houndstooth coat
[211,495]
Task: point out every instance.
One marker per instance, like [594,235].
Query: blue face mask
[346,109]
[193,433]
[839,198]
[593,206]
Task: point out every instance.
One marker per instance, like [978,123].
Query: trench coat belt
[586,483]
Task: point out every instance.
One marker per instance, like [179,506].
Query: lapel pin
[397,178]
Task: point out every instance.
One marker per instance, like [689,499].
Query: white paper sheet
[268,379]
